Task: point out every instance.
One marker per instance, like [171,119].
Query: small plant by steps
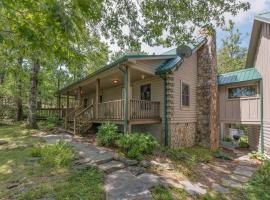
[55,155]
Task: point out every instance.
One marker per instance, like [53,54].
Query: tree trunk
[32,123]
[19,106]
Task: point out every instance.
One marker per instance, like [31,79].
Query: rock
[220,188]
[121,185]
[129,162]
[242,179]
[111,166]
[145,163]
[244,171]
[136,170]
[150,180]
[166,166]
[195,189]
[2,142]
[230,183]
[13,185]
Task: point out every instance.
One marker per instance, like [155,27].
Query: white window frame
[181,94]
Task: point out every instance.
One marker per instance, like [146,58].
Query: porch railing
[141,109]
[113,110]
[43,113]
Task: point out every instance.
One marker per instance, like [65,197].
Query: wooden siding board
[246,110]
[187,73]
[262,60]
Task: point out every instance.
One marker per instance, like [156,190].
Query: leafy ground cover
[169,193]
[47,175]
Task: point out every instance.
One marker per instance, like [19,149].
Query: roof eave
[240,82]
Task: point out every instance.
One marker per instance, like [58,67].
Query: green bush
[257,155]
[56,155]
[243,142]
[135,145]
[227,139]
[107,134]
[52,121]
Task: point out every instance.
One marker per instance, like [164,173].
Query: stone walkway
[126,179]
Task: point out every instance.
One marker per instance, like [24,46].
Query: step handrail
[84,110]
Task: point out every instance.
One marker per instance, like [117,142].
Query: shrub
[52,121]
[107,134]
[243,142]
[257,155]
[56,155]
[137,144]
[227,139]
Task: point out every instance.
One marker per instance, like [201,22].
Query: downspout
[166,142]
[262,133]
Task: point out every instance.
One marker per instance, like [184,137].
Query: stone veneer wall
[206,102]
[180,134]
[183,134]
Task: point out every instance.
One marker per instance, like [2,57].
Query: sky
[243,21]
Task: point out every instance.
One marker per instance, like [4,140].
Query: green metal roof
[171,63]
[250,74]
[170,56]
[265,17]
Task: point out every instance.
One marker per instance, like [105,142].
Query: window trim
[181,94]
[243,97]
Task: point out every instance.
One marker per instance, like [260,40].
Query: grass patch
[56,155]
[184,159]
[84,184]
[48,177]
[258,186]
[169,193]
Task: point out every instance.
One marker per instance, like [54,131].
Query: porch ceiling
[106,80]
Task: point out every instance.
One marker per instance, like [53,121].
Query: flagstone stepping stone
[230,183]
[220,188]
[111,166]
[2,142]
[136,170]
[92,154]
[196,189]
[244,171]
[150,180]
[52,138]
[122,185]
[239,178]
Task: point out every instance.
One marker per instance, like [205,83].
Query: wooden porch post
[97,96]
[67,108]
[80,96]
[127,126]
[59,105]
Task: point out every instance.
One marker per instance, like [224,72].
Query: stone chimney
[207,94]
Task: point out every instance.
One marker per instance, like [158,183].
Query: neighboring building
[245,94]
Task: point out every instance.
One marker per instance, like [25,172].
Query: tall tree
[69,30]
[231,56]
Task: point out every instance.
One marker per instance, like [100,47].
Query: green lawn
[33,179]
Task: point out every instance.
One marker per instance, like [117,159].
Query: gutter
[166,143]
[262,133]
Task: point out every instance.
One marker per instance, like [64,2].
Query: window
[185,94]
[244,91]
[100,98]
[146,92]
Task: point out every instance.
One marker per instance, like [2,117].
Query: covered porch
[126,95]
